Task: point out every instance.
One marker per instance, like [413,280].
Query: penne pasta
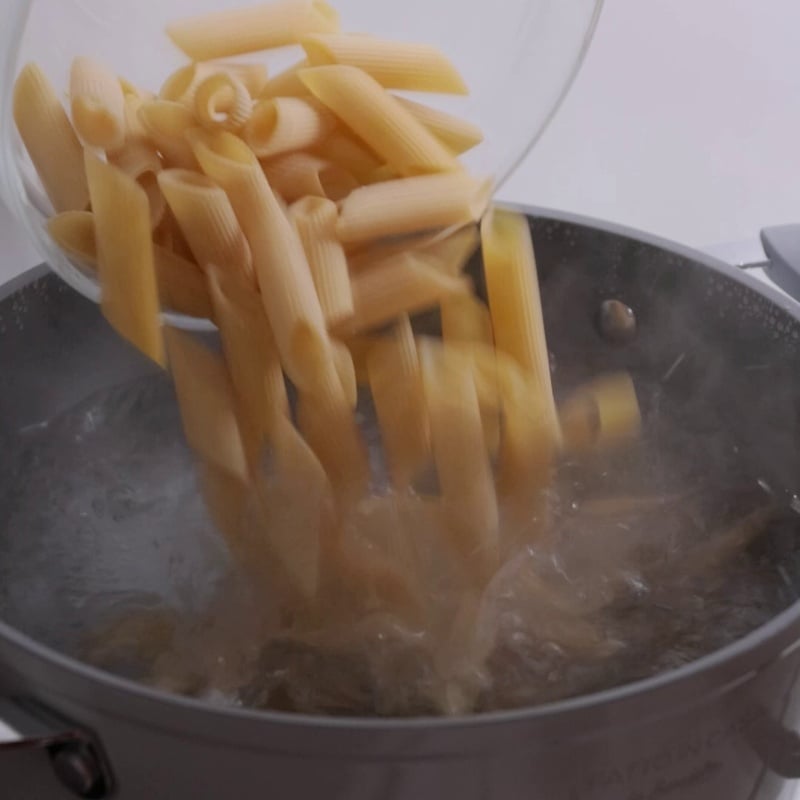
[208,222]
[465,318]
[359,348]
[453,132]
[73,232]
[251,356]
[226,497]
[167,123]
[346,370]
[286,83]
[97,104]
[452,252]
[394,65]
[315,219]
[287,288]
[376,117]
[286,124]
[245,30]
[515,305]
[395,380]
[349,154]
[181,285]
[207,403]
[50,140]
[222,101]
[603,413]
[298,175]
[411,205]
[125,257]
[406,284]
[181,85]
[462,464]
[142,162]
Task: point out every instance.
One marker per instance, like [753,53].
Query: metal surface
[700,732]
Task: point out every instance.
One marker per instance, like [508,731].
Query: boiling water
[659,554]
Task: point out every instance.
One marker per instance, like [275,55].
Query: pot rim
[776,632]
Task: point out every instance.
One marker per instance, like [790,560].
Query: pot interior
[671,548]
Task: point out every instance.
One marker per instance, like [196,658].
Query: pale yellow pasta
[403,285]
[287,288]
[50,140]
[182,84]
[359,348]
[245,30]
[462,463]
[286,83]
[141,161]
[222,101]
[376,117]
[299,175]
[465,318]
[135,132]
[167,123]
[315,219]
[395,380]
[452,252]
[208,222]
[125,256]
[411,205]
[394,65]
[349,154]
[97,104]
[130,89]
[346,370]
[286,124]
[73,232]
[516,306]
[252,358]
[383,173]
[226,498]
[207,403]
[456,133]
[603,413]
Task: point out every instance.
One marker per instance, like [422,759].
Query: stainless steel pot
[720,728]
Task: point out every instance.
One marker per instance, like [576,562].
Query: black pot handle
[77,758]
[782,247]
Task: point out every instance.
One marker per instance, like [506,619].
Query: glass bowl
[518,58]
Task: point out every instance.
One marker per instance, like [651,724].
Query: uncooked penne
[346,370]
[226,497]
[601,413]
[451,252]
[208,222]
[299,175]
[73,232]
[167,123]
[394,65]
[245,30]
[454,132]
[395,380]
[141,161]
[406,284]
[345,151]
[286,124]
[251,356]
[374,115]
[181,285]
[462,464]
[315,219]
[222,101]
[125,256]
[411,205]
[207,403]
[287,288]
[97,104]
[50,140]
[465,318]
[286,83]
[515,304]
[182,84]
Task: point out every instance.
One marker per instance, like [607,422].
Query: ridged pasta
[299,175]
[286,124]
[377,118]
[167,123]
[222,101]
[394,65]
[142,162]
[345,151]
[50,140]
[97,104]
[456,133]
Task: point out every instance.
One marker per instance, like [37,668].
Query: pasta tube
[299,175]
[166,124]
[222,101]
[455,133]
[98,104]
[285,124]
[142,162]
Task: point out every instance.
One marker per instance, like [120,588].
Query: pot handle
[76,756]
[782,247]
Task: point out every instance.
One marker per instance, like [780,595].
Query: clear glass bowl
[518,58]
